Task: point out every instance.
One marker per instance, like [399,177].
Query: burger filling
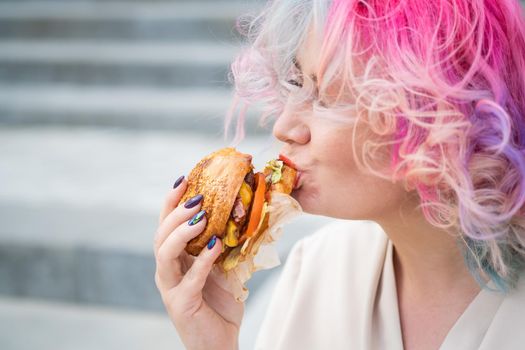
[249,213]
[274,171]
[240,211]
[238,228]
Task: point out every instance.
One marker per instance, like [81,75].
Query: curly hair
[441,83]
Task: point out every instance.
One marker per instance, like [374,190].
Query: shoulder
[353,248]
[351,232]
[510,312]
[333,270]
[513,303]
[353,239]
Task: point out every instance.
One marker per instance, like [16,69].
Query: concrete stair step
[79,209]
[127,1]
[152,52]
[122,107]
[56,325]
[77,254]
[93,255]
[113,63]
[36,324]
[121,19]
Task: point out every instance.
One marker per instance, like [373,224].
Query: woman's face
[329,181]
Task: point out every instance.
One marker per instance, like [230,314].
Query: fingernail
[178,181]
[193,201]
[197,218]
[212,241]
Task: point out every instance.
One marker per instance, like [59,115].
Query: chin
[309,201]
[312,203]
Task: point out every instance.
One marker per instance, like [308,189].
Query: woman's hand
[205,315]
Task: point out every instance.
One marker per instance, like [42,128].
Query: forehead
[309,52]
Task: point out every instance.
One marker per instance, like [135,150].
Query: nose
[290,128]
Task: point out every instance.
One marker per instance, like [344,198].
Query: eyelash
[296,79]
[295,82]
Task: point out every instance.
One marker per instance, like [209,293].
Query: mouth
[298,182]
[288,161]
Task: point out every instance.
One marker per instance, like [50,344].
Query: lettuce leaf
[276,166]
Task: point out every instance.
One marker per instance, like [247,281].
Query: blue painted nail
[197,218]
[193,201]
[178,181]
[212,241]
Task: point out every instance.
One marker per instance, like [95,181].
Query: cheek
[336,187]
[339,189]
[333,171]
[329,186]
[357,196]
[335,149]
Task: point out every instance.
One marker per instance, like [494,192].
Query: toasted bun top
[218,177]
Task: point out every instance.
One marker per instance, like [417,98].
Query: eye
[295,78]
[294,82]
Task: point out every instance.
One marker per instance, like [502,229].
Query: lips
[290,163]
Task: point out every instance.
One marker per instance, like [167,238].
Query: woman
[407,114]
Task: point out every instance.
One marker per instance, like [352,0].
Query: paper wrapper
[281,209]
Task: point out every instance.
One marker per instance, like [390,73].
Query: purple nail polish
[193,201]
[212,242]
[197,218]
[178,181]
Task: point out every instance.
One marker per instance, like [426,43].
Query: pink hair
[443,86]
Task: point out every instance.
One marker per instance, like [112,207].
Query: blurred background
[103,104]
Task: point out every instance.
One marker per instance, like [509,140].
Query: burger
[236,201]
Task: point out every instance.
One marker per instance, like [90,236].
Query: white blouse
[337,291]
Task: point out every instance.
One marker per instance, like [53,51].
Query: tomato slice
[257,205]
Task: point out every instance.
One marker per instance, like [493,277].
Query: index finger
[173,198]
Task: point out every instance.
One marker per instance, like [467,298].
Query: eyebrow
[296,63]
